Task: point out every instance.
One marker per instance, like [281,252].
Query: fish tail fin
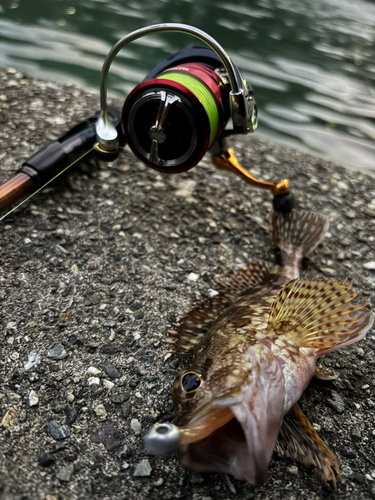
[319,314]
[297,232]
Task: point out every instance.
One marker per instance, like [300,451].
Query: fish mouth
[209,417]
[236,433]
[225,450]
[230,439]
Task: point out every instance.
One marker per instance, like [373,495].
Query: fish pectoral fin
[324,373]
[318,314]
[299,442]
[197,322]
[247,277]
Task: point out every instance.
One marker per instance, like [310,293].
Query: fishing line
[46,184]
[202,93]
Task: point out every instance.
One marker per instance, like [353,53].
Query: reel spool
[173,117]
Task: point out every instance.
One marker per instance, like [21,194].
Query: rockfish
[254,349]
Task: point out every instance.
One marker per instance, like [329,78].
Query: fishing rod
[187,105]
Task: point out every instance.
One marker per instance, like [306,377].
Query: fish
[253,349]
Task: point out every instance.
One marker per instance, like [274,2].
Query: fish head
[229,413]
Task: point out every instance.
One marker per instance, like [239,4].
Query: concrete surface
[94,270]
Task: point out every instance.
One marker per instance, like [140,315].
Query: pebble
[70,414]
[118,397]
[110,369]
[13,398]
[149,249]
[93,371]
[356,432]
[33,360]
[186,188]
[142,468]
[292,469]
[109,323]
[369,265]
[12,325]
[192,277]
[100,411]
[108,384]
[347,472]
[109,436]
[110,349]
[10,418]
[336,402]
[136,426]
[23,416]
[65,472]
[57,352]
[74,269]
[212,293]
[33,398]
[58,432]
[94,381]
[70,397]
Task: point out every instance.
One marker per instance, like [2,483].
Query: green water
[311,62]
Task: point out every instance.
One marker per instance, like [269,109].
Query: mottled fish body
[254,349]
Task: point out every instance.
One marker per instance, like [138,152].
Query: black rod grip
[53,158]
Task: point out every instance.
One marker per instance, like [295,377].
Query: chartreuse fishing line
[203,94]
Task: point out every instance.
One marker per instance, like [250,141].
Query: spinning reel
[186,105]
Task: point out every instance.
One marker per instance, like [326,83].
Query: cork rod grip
[14,189]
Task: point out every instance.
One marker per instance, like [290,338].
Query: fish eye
[187,383]
[191,381]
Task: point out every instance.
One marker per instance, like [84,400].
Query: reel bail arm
[244,112]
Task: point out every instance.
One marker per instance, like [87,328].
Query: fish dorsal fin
[200,318]
[197,322]
[297,232]
[246,277]
[298,441]
[319,314]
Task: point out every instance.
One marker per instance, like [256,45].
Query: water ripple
[311,62]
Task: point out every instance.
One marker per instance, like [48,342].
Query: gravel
[95,269]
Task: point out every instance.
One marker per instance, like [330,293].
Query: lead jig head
[162,439]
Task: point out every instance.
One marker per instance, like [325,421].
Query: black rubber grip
[58,155]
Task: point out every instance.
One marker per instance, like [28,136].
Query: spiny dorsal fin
[319,314]
[298,441]
[200,318]
[198,321]
[297,232]
[247,277]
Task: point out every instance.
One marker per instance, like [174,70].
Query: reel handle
[283,201]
